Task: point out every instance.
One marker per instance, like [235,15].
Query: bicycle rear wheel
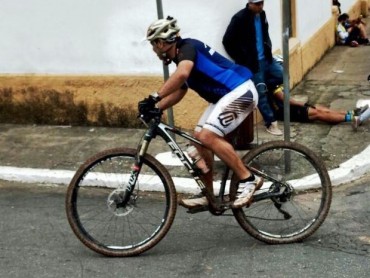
[296,214]
[126,229]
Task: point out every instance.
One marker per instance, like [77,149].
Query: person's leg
[274,73]
[274,77]
[363,34]
[227,114]
[236,106]
[207,154]
[263,103]
[224,151]
[353,37]
[326,115]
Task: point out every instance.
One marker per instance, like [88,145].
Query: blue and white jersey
[213,75]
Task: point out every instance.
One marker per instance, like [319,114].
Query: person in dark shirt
[227,87]
[248,43]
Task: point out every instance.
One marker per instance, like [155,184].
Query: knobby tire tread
[326,185]
[79,231]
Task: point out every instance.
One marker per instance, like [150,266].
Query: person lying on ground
[351,32]
[304,112]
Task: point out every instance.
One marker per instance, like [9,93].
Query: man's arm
[173,90]
[230,39]
[172,99]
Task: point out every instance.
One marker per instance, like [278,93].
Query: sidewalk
[339,81]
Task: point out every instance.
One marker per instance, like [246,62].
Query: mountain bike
[122,201]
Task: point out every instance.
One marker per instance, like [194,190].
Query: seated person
[351,32]
[304,112]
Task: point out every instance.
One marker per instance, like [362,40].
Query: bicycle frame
[216,205]
[158,128]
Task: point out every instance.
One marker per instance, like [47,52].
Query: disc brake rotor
[116,205]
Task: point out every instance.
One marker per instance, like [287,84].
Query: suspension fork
[136,166]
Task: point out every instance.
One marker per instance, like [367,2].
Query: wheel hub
[116,203]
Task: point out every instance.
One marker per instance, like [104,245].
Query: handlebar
[147,116]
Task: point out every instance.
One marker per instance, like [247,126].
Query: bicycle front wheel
[299,190]
[103,221]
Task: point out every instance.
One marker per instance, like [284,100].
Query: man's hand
[148,109]
[146,105]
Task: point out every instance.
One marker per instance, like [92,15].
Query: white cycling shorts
[230,111]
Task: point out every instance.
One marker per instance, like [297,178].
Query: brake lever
[141,118]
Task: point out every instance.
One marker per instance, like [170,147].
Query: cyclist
[226,86]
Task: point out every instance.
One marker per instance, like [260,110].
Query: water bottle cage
[195,161]
[197,170]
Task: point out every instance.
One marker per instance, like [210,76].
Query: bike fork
[135,170]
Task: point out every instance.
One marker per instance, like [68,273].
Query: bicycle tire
[307,207]
[120,231]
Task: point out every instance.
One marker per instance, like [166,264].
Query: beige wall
[121,90]
[116,90]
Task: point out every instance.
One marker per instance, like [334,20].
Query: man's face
[158,48]
[256,8]
[161,48]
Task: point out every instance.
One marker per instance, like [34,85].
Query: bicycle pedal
[197,209]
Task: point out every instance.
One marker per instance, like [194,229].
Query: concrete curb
[348,171]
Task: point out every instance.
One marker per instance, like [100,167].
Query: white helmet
[165,29]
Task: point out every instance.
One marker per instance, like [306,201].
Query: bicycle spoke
[303,198]
[94,205]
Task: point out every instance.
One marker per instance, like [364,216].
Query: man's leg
[326,115]
[229,113]
[224,151]
[248,183]
[217,145]
[274,73]
[208,156]
[263,103]
[219,120]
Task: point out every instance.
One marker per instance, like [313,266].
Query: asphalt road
[36,241]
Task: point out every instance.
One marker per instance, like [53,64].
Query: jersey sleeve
[187,52]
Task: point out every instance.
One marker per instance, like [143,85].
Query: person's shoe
[356,123]
[354,43]
[274,129]
[246,191]
[364,41]
[194,202]
[360,110]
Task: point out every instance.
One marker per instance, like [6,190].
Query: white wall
[105,37]
[311,15]
[346,5]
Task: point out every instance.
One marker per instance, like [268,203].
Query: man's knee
[207,137]
[313,113]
